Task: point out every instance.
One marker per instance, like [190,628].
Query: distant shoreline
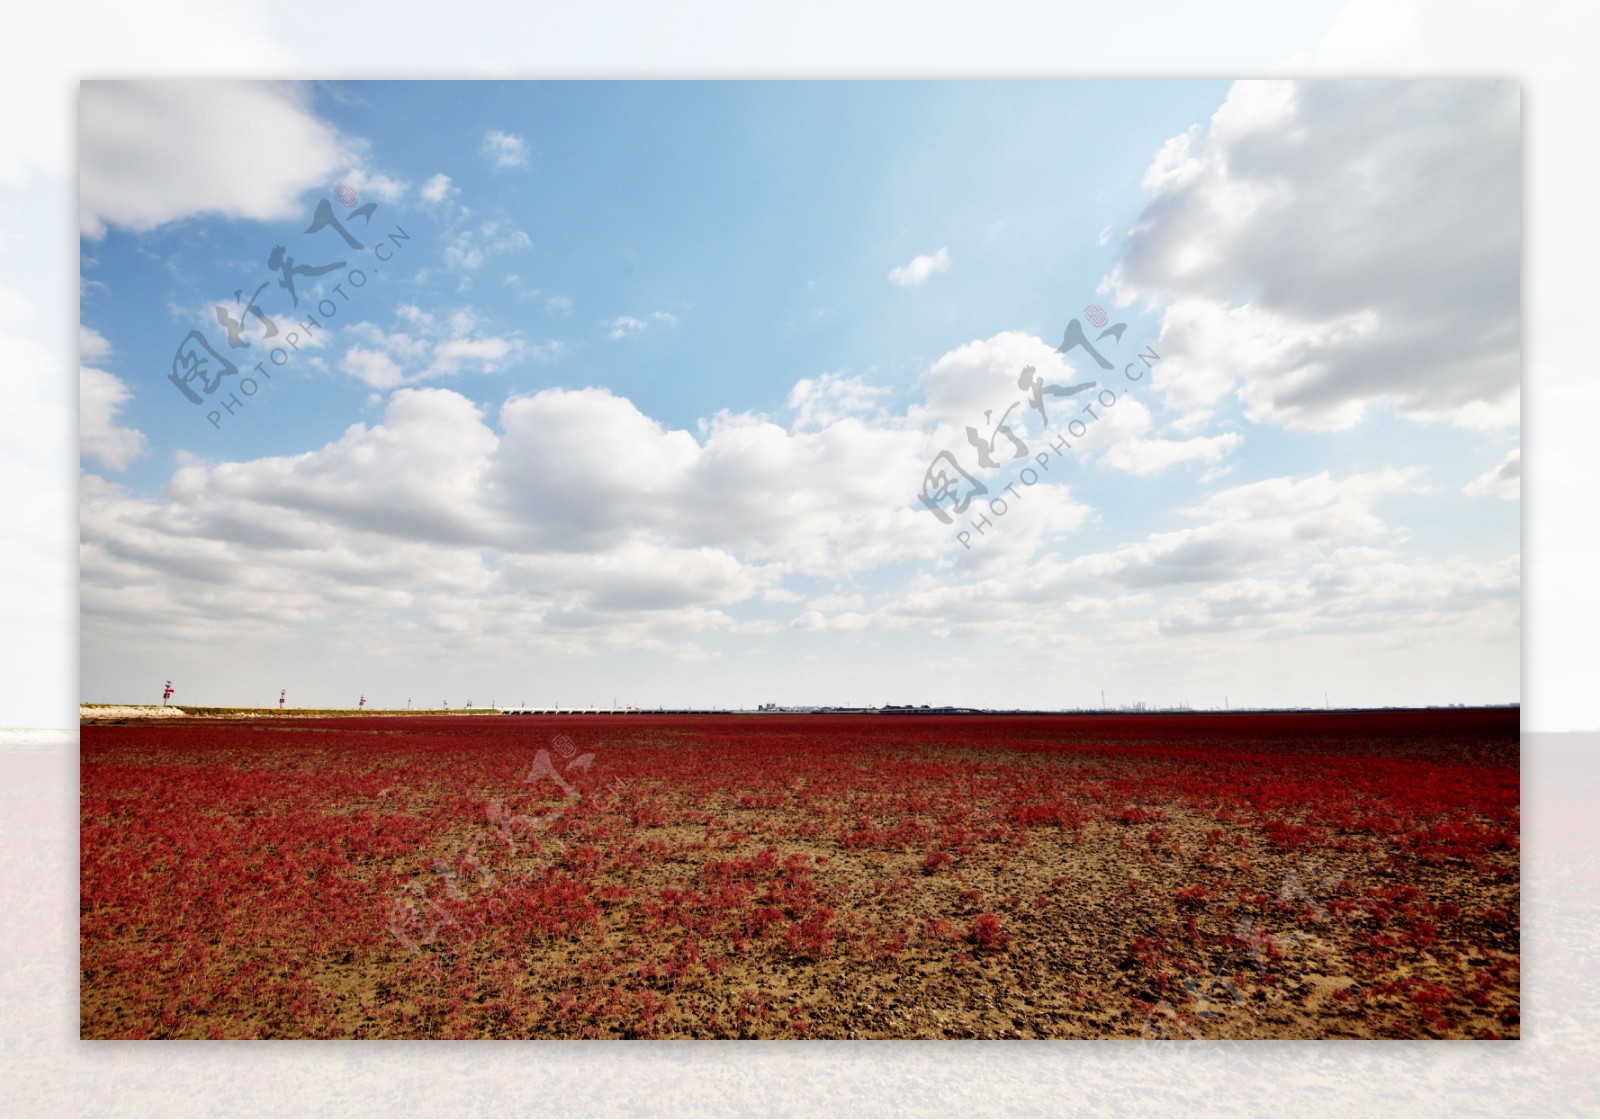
[101,713]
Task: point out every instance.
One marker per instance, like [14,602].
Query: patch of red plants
[711,874]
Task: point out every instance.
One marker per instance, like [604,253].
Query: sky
[650,393]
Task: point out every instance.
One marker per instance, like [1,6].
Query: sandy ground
[246,900]
[128,711]
[122,713]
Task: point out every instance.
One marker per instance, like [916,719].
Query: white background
[45,50]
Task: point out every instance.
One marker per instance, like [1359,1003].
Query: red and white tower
[166,694]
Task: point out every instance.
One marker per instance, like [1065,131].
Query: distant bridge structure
[567,711]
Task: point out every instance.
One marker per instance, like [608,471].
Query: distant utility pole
[1325,700]
[282,692]
[361,703]
[1102,699]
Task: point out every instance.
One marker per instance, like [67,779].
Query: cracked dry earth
[1275,875]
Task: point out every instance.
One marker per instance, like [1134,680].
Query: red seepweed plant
[801,877]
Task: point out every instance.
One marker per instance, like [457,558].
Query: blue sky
[642,406]
[762,216]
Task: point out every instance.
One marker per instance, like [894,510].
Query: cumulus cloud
[152,152]
[1322,247]
[505,149]
[1271,523]
[980,386]
[918,269]
[1504,481]
[1147,456]
[569,522]
[1245,530]
[438,189]
[576,517]
[1287,555]
[577,506]
[821,401]
[374,367]
[373,185]
[101,396]
[425,347]
[1353,589]
[983,375]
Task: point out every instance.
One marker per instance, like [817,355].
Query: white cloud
[1260,525]
[1356,588]
[371,185]
[560,525]
[429,347]
[570,523]
[1143,456]
[623,326]
[488,354]
[101,396]
[819,402]
[920,268]
[373,367]
[152,152]
[1282,553]
[467,249]
[627,326]
[438,189]
[1211,351]
[1327,246]
[92,345]
[984,375]
[1504,481]
[505,149]
[39,81]
[414,315]
[560,304]
[580,521]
